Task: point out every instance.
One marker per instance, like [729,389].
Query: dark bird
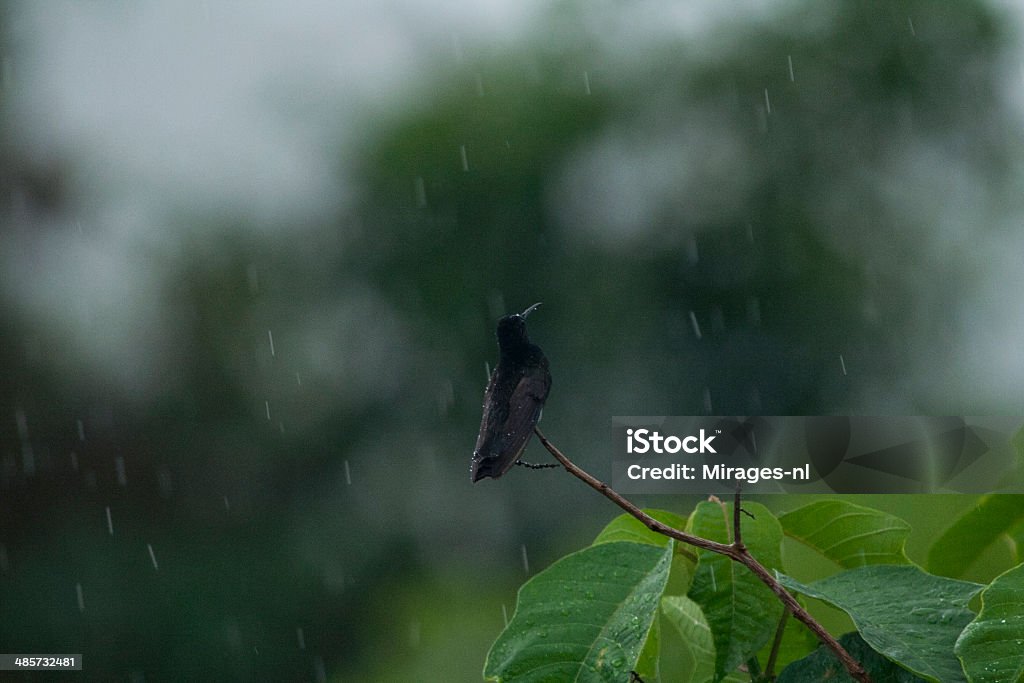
[513,401]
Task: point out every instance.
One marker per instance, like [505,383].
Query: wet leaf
[741,611]
[911,617]
[584,618]
[991,648]
[848,534]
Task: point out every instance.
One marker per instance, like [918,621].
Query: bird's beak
[530,310]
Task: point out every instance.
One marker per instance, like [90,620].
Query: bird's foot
[535,466]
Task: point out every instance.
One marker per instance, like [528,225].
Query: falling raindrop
[707,400]
[122,475]
[81,597]
[28,459]
[152,556]
[526,560]
[6,77]
[910,23]
[266,404]
[74,461]
[301,637]
[81,430]
[487,370]
[717,319]
[789,58]
[298,379]
[714,582]
[842,364]
[420,192]
[695,324]
[754,310]
[233,633]
[465,159]
[755,400]
[586,82]
[227,504]
[445,397]
[319,670]
[504,614]
[767,102]
[457,47]
[496,304]
[164,481]
[414,634]
[253,278]
[348,474]
[110,522]
[270,336]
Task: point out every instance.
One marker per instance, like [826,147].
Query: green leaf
[584,618]
[1017,541]
[911,617]
[990,520]
[848,534]
[647,665]
[629,528]
[699,648]
[992,646]
[741,611]
[822,666]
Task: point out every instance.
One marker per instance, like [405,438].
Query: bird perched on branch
[513,401]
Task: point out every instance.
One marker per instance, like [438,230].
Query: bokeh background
[252,255]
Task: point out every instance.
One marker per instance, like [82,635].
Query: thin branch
[737,553]
[616,497]
[536,466]
[769,668]
[737,538]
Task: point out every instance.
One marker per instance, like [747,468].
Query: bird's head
[512,329]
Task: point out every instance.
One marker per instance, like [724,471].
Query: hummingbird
[513,400]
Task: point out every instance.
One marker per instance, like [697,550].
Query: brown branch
[737,538]
[736,552]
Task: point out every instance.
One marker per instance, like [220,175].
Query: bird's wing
[523,412]
[495,414]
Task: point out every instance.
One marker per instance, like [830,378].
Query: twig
[536,466]
[737,538]
[769,668]
[737,553]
